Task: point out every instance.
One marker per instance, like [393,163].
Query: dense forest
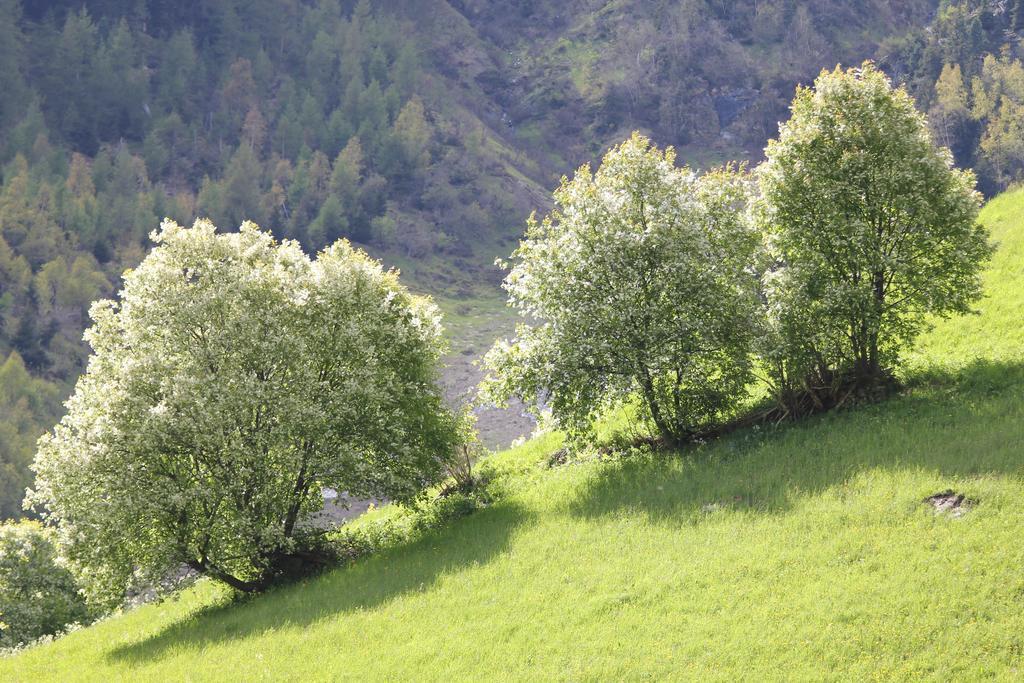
[422,129]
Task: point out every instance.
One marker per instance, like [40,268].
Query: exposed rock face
[731,102]
[949,502]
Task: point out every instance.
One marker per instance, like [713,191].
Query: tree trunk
[297,494]
[206,569]
[651,397]
[874,362]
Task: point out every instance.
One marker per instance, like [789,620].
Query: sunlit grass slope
[997,333]
[798,553]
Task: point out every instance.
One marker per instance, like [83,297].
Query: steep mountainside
[425,130]
[714,78]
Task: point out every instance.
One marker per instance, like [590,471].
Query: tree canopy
[234,379]
[870,227]
[639,281]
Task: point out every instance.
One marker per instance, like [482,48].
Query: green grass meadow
[802,552]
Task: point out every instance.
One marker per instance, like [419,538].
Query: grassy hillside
[798,553]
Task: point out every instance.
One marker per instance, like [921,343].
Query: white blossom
[234,379]
[640,282]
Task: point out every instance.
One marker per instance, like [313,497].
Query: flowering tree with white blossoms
[638,284]
[871,231]
[233,380]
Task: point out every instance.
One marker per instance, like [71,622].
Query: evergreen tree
[951,106]
[254,130]
[242,195]
[68,91]
[176,86]
[413,134]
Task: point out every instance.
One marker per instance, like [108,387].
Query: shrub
[235,378]
[638,283]
[38,597]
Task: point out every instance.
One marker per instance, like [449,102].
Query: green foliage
[413,135]
[968,57]
[28,406]
[114,116]
[949,112]
[639,281]
[998,94]
[234,380]
[870,229]
[38,597]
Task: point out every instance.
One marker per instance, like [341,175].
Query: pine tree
[322,65]
[288,135]
[412,130]
[239,92]
[121,85]
[176,87]
[242,194]
[950,108]
[254,130]
[330,224]
[373,117]
[405,70]
[67,90]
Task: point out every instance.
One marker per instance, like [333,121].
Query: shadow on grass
[370,582]
[956,422]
